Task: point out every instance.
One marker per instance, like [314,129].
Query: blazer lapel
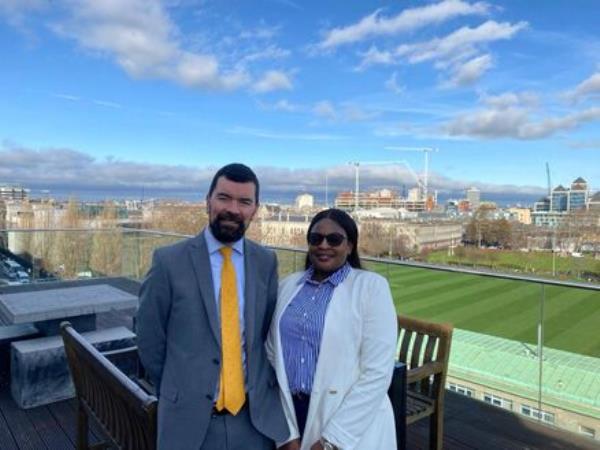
[202,269]
[250,294]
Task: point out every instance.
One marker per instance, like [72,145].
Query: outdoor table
[397,393]
[47,308]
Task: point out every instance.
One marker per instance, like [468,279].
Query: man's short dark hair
[240,173]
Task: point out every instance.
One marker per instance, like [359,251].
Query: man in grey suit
[187,350]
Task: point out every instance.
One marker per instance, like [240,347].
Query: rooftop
[571,381]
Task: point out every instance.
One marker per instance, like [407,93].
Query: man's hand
[317,446]
[292,445]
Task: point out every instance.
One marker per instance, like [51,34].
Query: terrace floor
[469,424]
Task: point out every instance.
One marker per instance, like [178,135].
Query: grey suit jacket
[179,341]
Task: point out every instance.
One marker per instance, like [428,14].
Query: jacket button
[209,396]
[216,361]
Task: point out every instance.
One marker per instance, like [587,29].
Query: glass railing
[528,345]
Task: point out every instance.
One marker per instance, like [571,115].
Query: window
[460,389]
[535,413]
[587,431]
[497,401]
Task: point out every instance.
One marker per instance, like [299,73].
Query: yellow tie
[231,391]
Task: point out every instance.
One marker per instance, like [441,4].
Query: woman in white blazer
[332,343]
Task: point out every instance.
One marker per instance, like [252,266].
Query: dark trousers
[227,432]
[301,404]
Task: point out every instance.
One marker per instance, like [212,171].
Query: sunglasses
[333,239]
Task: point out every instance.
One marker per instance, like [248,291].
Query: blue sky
[156,94]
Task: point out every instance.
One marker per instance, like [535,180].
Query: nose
[233,207]
[324,244]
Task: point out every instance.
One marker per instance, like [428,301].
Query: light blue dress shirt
[301,327]
[216,265]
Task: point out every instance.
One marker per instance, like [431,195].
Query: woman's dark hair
[344,220]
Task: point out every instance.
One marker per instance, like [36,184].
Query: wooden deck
[469,424]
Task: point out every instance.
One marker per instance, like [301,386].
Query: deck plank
[49,429]
[22,429]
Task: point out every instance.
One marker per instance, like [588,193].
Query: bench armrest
[424,371]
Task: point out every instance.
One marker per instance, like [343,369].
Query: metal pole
[326,192]
[540,351]
[356,187]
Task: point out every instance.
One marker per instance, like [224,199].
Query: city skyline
[155,95]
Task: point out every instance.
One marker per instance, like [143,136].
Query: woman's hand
[317,446]
[292,445]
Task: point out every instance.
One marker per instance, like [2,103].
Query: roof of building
[560,188]
[570,381]
[595,197]
[579,180]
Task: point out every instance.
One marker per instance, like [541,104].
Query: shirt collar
[214,245]
[335,278]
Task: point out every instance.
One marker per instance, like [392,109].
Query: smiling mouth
[323,257]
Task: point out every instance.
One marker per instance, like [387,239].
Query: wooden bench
[425,349]
[121,408]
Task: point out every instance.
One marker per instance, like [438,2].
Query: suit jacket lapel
[250,297]
[202,269]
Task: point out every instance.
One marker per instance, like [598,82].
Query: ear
[350,248]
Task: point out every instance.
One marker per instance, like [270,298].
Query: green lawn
[538,263]
[505,308]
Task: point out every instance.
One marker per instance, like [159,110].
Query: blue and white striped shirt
[301,328]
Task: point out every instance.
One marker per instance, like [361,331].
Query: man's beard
[227,234]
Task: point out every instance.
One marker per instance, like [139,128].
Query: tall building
[551,211]
[578,195]
[474,197]
[13,192]
[559,200]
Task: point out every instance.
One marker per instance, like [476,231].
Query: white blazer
[349,405]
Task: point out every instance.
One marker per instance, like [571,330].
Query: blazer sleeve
[377,352]
[274,354]
[152,320]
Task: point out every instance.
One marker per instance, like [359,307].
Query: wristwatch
[328,445]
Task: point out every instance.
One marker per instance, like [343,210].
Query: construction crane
[549,180]
[426,151]
[357,165]
[399,163]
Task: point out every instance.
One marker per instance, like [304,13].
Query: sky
[151,94]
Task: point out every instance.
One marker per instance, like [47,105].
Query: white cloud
[508,99]
[354,113]
[460,51]
[374,56]
[263,32]
[515,116]
[273,80]
[588,144]
[589,87]
[343,112]
[72,98]
[57,168]
[325,109]
[391,84]
[15,11]
[284,105]
[142,39]
[470,71]
[410,19]
[271,52]
[107,104]
[461,43]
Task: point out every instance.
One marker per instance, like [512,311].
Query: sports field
[505,308]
